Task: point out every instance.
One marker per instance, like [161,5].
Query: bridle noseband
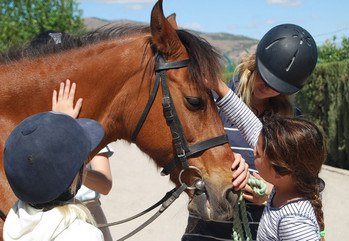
[183,150]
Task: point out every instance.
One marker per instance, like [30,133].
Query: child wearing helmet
[44,162]
[264,80]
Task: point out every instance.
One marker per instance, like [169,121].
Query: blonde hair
[76,208]
[247,73]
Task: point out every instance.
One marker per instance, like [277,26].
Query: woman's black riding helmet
[286,56]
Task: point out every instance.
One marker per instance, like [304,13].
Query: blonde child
[44,161]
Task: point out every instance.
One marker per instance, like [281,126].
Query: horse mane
[33,50]
[205,61]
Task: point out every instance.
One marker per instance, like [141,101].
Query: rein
[183,150]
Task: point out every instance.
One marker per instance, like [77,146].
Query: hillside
[230,45]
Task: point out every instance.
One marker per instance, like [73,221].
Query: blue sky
[251,18]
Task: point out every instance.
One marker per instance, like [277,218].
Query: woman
[285,57]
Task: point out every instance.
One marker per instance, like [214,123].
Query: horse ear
[172,20]
[164,35]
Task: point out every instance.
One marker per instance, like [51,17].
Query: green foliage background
[21,20]
[325,99]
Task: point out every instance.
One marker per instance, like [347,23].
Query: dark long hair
[296,147]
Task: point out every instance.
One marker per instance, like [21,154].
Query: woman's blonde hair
[247,73]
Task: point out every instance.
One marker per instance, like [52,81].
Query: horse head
[116,72]
[183,62]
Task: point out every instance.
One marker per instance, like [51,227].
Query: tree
[21,20]
[331,52]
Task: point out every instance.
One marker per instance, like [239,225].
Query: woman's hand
[240,172]
[251,196]
[65,101]
[219,87]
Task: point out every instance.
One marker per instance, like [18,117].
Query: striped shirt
[239,114]
[295,220]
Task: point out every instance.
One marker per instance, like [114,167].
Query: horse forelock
[205,60]
[70,42]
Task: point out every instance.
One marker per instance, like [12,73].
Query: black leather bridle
[183,150]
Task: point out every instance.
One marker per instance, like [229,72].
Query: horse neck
[107,74]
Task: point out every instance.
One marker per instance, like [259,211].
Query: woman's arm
[238,113]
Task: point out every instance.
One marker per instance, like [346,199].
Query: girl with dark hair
[289,153]
[265,80]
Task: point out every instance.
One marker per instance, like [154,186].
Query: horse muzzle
[209,204]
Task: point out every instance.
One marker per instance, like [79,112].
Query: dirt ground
[137,185]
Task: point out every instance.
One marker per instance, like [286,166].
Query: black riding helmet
[286,56]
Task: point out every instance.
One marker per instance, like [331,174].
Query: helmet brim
[93,129]
[274,82]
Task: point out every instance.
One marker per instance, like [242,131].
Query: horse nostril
[231,195]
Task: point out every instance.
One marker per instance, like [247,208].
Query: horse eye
[195,102]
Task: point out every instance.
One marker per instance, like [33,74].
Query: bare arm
[99,178]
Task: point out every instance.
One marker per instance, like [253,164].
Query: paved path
[138,185]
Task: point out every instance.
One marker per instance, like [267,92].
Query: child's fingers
[240,168]
[61,90]
[54,99]
[248,197]
[78,105]
[256,175]
[66,89]
[72,92]
[77,108]
[248,189]
[237,160]
[241,180]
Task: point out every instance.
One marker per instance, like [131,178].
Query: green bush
[325,100]
[21,20]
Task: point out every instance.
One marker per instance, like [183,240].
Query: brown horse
[115,71]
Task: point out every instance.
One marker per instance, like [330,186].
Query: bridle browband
[183,150]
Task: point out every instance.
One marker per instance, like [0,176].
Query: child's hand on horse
[64,102]
[240,172]
[251,196]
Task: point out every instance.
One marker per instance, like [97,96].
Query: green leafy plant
[21,20]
